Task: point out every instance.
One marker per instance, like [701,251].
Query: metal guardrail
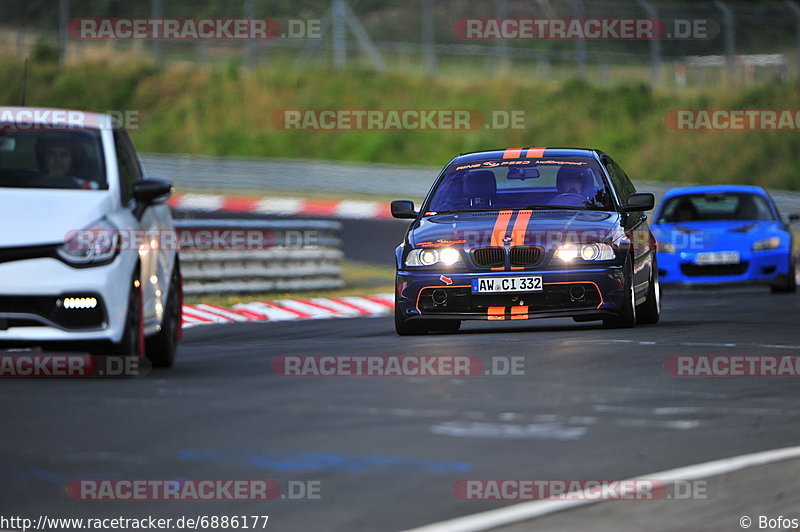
[248,256]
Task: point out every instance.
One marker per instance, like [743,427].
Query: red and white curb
[353,209]
[290,309]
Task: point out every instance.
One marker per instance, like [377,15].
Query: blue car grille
[489,257]
[527,255]
[495,256]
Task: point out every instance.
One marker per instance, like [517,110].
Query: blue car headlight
[430,257]
[773,242]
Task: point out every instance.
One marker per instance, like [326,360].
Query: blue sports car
[724,234]
[527,233]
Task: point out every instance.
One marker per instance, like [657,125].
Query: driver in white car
[60,158]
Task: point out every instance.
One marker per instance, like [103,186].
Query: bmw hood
[31,217]
[540,227]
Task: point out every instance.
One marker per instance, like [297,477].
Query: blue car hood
[475,228]
[716,235]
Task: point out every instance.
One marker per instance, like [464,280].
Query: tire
[132,342]
[405,327]
[160,349]
[627,316]
[445,326]
[649,312]
[788,285]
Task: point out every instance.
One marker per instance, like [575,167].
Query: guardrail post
[501,45]
[655,45]
[157,12]
[63,38]
[428,50]
[795,9]
[729,38]
[580,44]
[250,45]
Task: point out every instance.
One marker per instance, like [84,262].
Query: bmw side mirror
[403,209]
[640,202]
[149,191]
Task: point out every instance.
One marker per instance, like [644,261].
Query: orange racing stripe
[512,154]
[520,228]
[496,313]
[535,153]
[500,226]
[519,313]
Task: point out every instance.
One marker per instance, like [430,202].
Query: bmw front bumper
[590,292]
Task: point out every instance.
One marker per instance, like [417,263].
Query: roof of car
[525,153]
[715,189]
[53,117]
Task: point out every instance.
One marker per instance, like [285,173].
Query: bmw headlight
[768,243]
[588,252]
[430,256]
[92,246]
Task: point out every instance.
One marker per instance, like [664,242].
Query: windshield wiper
[552,207]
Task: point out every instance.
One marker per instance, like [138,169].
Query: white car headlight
[94,245]
[768,243]
[429,257]
[588,252]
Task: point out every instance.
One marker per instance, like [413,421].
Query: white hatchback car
[80,263]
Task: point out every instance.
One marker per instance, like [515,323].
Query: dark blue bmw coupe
[527,233]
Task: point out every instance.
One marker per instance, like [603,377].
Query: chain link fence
[740,42]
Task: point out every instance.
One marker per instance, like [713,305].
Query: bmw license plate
[506,284]
[717,257]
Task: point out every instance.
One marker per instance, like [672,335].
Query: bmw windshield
[551,183]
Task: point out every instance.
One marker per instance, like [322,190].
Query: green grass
[360,279]
[220,110]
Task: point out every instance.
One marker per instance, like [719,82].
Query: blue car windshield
[715,207]
[552,183]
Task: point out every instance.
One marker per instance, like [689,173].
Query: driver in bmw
[575,180]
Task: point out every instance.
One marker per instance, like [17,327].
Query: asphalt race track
[386,451]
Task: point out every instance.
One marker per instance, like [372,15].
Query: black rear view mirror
[643,201]
[403,209]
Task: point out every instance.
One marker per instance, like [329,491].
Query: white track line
[534,509]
